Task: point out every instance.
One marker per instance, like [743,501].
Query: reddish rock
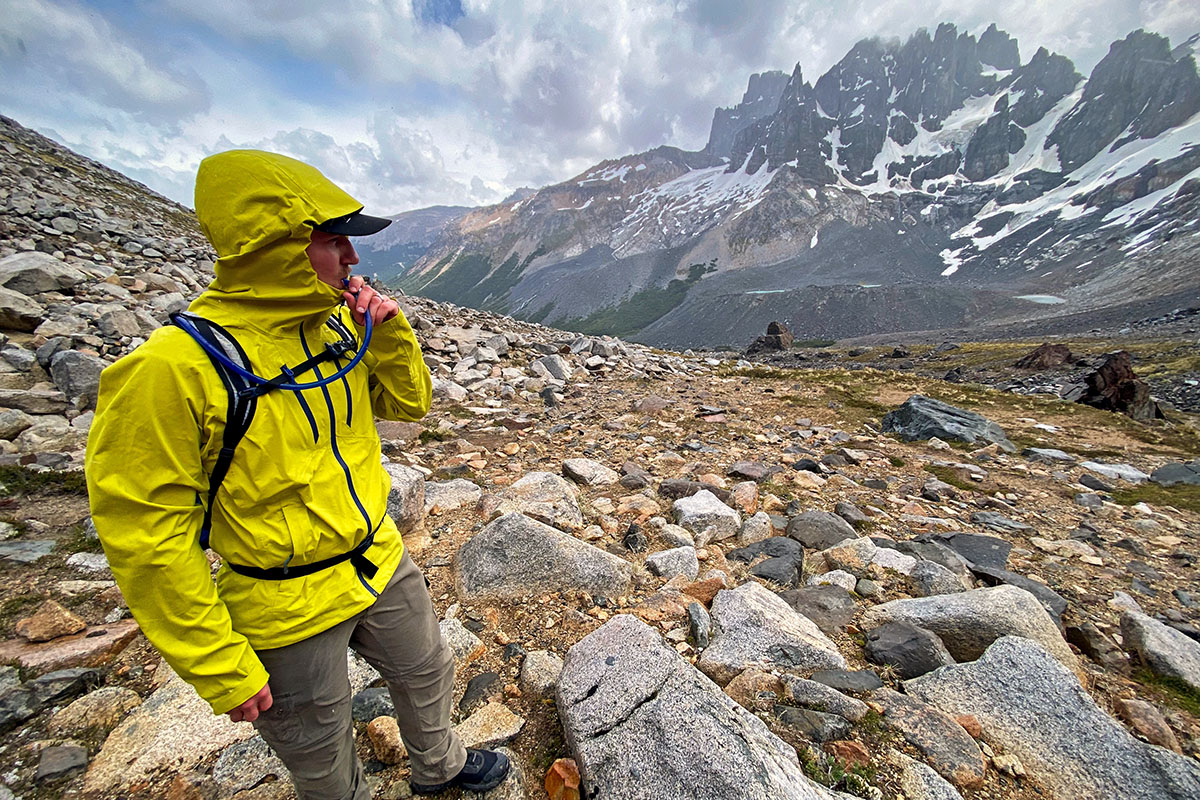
[49,622]
[744,497]
[755,690]
[1147,721]
[947,748]
[704,590]
[1115,387]
[1046,356]
[562,780]
[384,733]
[95,645]
[850,753]
[970,723]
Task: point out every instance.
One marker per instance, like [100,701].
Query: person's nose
[349,256]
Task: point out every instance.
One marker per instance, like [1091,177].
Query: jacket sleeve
[144,475]
[401,388]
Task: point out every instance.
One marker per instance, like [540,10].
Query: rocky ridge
[710,546]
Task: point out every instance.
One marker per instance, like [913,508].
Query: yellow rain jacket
[306,482]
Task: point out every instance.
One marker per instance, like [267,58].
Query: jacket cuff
[241,691]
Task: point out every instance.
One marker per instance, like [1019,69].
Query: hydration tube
[218,354]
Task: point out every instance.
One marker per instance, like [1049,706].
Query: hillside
[661,574]
[915,185]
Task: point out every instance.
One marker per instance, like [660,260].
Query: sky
[411,103]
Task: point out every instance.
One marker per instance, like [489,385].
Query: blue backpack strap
[243,402]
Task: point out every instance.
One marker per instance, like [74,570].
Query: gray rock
[755,529]
[923,418]
[984,551]
[835,577]
[26,551]
[911,650]
[819,529]
[539,672]
[860,680]
[1051,600]
[545,497]
[1177,473]
[998,522]
[1121,472]
[816,726]
[1034,708]
[20,358]
[406,498]
[830,607]
[942,741]
[449,390]
[371,703]
[32,273]
[13,422]
[932,578]
[811,694]
[919,781]
[18,312]
[246,764]
[553,366]
[968,622]
[755,628]
[515,556]
[679,561]
[77,374]
[706,517]
[94,563]
[60,760]
[1165,650]
[451,495]
[117,323]
[851,513]
[465,645]
[643,724]
[699,625]
[1047,455]
[587,472]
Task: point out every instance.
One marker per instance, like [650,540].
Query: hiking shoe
[484,770]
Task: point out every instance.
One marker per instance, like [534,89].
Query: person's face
[331,257]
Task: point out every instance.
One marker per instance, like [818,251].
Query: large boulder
[77,374]
[755,628]
[34,272]
[18,312]
[967,622]
[778,338]
[545,497]
[924,418]
[1035,709]
[1177,473]
[1045,356]
[819,530]
[406,498]
[1113,386]
[516,556]
[1165,650]
[644,724]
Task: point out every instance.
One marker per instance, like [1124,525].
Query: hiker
[248,427]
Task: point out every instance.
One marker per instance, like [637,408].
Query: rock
[699,625]
[755,690]
[752,470]
[920,781]
[587,472]
[1094,483]
[786,559]
[406,498]
[372,703]
[819,529]
[100,711]
[33,273]
[676,488]
[118,323]
[851,513]
[13,422]
[1096,646]
[968,622]
[492,725]
[1047,455]
[830,607]
[477,691]
[18,312]
[34,401]
[77,374]
[679,561]
[755,529]
[852,556]
[1113,386]
[755,628]
[450,495]
[1120,472]
[1053,602]
[173,730]
[922,418]
[1177,473]
[50,621]
[248,764]
[816,726]
[947,748]
[545,497]
[1163,649]
[706,517]
[977,549]
[998,522]
[863,680]
[92,646]
[60,760]
[539,672]
[1035,709]
[94,563]
[837,577]
[465,645]
[778,337]
[643,723]
[1045,356]
[812,694]
[652,404]
[1148,722]
[516,556]
[743,497]
[384,733]
[449,390]
[911,650]
[932,578]
[563,781]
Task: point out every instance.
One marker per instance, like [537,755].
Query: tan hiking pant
[309,726]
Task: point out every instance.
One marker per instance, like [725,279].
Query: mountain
[931,183]
[391,251]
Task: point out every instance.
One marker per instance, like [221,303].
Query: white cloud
[462,109]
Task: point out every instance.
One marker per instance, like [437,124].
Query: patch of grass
[832,772]
[77,541]
[17,480]
[1173,690]
[1183,497]
[895,461]
[434,435]
[948,475]
[818,343]
[641,309]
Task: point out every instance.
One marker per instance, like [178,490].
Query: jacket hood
[258,210]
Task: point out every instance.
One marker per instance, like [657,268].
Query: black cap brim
[356,224]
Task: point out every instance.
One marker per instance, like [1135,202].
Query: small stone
[755,690]
[836,577]
[384,733]
[101,710]
[59,761]
[755,529]
[848,752]
[815,725]
[943,742]
[477,691]
[492,725]
[911,650]
[539,672]
[1148,722]
[562,780]
[465,645]
[371,703]
[679,561]
[817,695]
[699,625]
[50,621]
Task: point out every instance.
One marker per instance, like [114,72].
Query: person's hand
[368,301]
[249,710]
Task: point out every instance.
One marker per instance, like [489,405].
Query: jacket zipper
[338,455]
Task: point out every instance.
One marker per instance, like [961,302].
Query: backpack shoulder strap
[243,402]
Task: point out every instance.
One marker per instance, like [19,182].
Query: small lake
[1042,299]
